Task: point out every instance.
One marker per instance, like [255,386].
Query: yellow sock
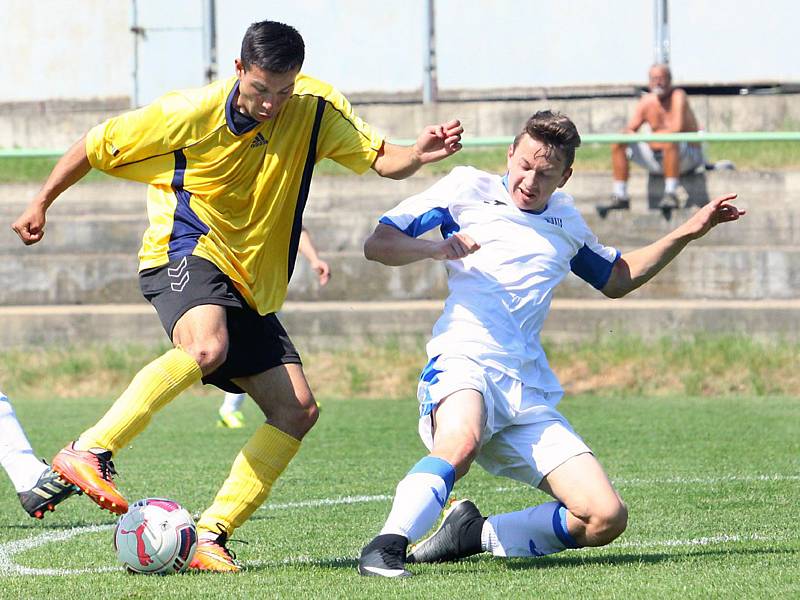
[258,465]
[154,387]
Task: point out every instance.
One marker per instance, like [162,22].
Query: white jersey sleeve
[424,211]
[593,262]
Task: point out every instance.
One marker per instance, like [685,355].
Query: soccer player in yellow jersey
[228,168]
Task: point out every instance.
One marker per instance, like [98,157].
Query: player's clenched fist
[456,246]
[30,225]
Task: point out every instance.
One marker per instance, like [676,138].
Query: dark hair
[273,47]
[554,130]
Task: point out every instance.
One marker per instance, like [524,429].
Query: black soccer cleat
[385,556]
[614,203]
[458,536]
[49,491]
[669,202]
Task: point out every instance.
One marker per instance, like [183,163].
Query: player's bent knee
[210,355]
[304,416]
[609,524]
[461,455]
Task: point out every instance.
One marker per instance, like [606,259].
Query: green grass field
[712,484]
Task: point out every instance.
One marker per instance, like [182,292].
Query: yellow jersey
[226,187]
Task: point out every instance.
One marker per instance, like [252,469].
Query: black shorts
[256,343]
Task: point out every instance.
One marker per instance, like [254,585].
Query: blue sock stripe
[437,466]
[560,527]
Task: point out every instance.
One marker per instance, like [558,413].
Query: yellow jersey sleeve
[169,123]
[344,137]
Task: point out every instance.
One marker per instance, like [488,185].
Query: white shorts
[525,437]
[642,154]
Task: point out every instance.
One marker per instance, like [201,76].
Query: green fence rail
[627,138]
[589,138]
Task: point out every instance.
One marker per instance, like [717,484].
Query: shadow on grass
[518,564]
[472,566]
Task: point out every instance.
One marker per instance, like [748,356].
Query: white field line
[9,549]
[327,502]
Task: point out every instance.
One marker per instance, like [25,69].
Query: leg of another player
[619,195]
[39,489]
[16,454]
[230,412]
[619,162]
[671,163]
[422,493]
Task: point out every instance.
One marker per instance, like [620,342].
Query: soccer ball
[155,536]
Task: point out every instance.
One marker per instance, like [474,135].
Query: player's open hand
[30,225]
[456,246]
[439,141]
[719,210]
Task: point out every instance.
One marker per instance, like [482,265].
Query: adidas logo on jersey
[259,140]
[554,221]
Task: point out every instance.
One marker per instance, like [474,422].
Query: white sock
[420,498]
[16,454]
[232,403]
[620,189]
[535,531]
[670,185]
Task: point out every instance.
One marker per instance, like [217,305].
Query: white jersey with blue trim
[500,295]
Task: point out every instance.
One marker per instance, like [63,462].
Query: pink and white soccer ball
[155,536]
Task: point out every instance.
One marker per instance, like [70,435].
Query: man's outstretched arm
[635,268]
[69,169]
[394,248]
[433,144]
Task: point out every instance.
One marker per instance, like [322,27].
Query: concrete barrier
[723,272]
[80,282]
[352,325]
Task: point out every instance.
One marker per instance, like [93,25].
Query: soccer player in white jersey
[38,487]
[487,393]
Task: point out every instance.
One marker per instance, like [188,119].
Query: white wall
[57,49]
[735,40]
[358,45]
[83,48]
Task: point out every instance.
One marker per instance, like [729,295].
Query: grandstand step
[370,194]
[337,325]
[723,272]
[338,230]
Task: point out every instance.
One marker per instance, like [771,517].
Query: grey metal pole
[662,43]
[210,39]
[136,31]
[430,91]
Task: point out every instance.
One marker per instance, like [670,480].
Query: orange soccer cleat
[92,473]
[213,555]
